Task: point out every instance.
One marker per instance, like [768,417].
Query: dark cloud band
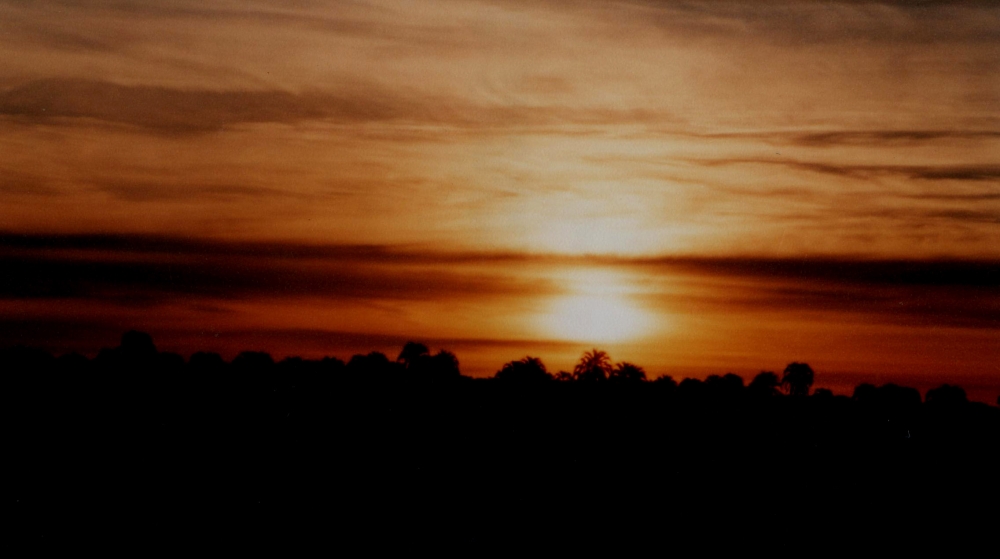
[140,270]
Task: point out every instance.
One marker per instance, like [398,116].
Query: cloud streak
[917,172]
[863,138]
[176,110]
[146,282]
[150,270]
[841,21]
[173,110]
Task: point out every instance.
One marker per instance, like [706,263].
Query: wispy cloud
[940,272]
[164,274]
[140,191]
[947,197]
[839,21]
[915,293]
[865,138]
[172,110]
[919,172]
[176,110]
[15,183]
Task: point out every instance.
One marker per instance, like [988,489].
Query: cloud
[842,271]
[50,22]
[959,173]
[172,110]
[979,216]
[886,137]
[140,191]
[480,356]
[841,21]
[949,197]
[920,172]
[155,245]
[133,282]
[180,110]
[15,183]
[149,270]
[137,270]
[868,138]
[907,306]
[957,293]
[335,339]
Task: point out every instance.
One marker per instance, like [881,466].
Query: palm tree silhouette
[627,372]
[797,379]
[594,366]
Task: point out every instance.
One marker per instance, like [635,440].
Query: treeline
[377,438]
[137,371]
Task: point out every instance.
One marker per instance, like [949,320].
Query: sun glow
[600,308]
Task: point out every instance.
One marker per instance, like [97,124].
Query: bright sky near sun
[489,172]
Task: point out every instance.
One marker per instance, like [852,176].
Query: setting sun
[592,318]
[600,308]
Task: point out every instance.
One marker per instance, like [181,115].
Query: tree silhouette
[946,395]
[594,366]
[529,369]
[443,366]
[691,389]
[764,385]
[823,394]
[371,366]
[137,344]
[627,372]
[797,379]
[865,394]
[206,361]
[728,385]
[253,361]
[412,352]
[664,383]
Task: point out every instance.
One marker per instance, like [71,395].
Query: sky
[695,186]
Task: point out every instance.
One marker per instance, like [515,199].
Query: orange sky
[695,186]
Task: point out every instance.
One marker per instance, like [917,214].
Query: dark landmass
[408,454]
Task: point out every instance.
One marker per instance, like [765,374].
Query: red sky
[697,187]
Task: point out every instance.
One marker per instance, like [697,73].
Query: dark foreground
[138,447]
